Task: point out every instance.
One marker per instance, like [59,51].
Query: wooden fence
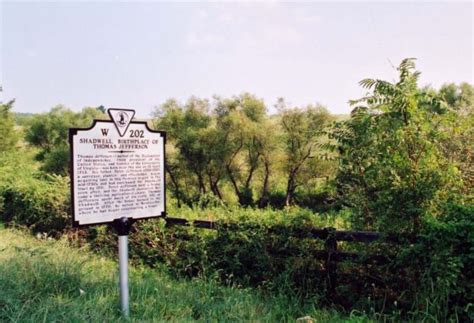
[330,255]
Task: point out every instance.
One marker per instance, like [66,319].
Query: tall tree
[457,144]
[8,134]
[391,170]
[190,132]
[240,121]
[302,133]
[268,145]
[49,133]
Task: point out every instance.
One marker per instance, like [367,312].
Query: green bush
[14,166]
[440,266]
[42,204]
[250,246]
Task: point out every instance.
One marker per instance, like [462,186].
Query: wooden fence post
[331,264]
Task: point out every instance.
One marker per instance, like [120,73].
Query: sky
[139,54]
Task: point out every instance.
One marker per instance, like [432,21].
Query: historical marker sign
[117,170]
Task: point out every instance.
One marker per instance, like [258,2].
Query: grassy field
[44,280]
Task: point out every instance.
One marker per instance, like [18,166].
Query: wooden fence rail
[319,233]
[331,255]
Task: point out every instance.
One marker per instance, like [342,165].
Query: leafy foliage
[302,130]
[49,132]
[392,171]
[41,203]
[457,128]
[439,266]
[9,135]
[232,149]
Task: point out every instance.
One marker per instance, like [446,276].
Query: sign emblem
[121,119]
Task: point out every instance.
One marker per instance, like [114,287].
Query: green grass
[45,280]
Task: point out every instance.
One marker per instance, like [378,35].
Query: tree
[457,144]
[8,134]
[302,132]
[189,133]
[268,145]
[241,124]
[213,147]
[391,170]
[49,132]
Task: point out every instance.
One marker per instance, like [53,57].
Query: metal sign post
[123,226]
[117,177]
[123,272]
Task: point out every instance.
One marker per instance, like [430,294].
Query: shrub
[40,204]
[441,266]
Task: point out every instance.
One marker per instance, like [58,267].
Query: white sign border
[72,133]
